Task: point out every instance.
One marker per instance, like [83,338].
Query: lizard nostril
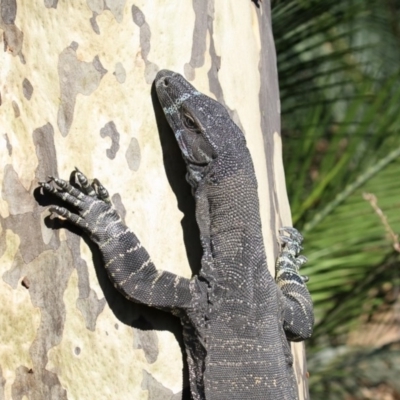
[166,81]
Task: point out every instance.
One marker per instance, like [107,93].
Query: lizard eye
[190,123]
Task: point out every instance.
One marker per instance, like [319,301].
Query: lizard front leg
[298,310]
[127,262]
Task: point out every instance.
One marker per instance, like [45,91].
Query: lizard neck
[227,212]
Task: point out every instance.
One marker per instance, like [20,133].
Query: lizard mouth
[182,144]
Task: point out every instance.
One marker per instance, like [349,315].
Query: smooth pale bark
[75,90]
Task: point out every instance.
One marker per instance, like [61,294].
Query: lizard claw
[293,233]
[300,260]
[48,187]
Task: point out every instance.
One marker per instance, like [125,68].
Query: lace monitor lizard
[236,318]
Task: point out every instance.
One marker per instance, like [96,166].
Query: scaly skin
[236,319]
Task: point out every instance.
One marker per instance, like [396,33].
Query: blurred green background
[339,77]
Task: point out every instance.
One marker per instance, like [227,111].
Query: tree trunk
[75,90]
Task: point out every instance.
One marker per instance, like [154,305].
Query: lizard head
[201,125]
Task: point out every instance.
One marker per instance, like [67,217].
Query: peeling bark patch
[15,107]
[8,11]
[156,390]
[119,73]
[27,89]
[145,37]
[8,144]
[132,155]
[90,308]
[50,3]
[110,130]
[75,77]
[13,189]
[147,340]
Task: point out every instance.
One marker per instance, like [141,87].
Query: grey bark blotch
[52,273]
[15,107]
[13,39]
[116,8]
[26,224]
[199,40]
[8,11]
[2,385]
[13,190]
[8,144]
[119,206]
[138,16]
[27,384]
[27,89]
[156,390]
[81,267]
[147,340]
[93,24]
[145,37]
[50,3]
[27,220]
[43,139]
[75,77]
[110,130]
[91,308]
[99,67]
[215,86]
[120,73]
[189,72]
[132,155]
[97,6]
[12,36]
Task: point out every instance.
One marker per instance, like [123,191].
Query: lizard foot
[94,211]
[289,260]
